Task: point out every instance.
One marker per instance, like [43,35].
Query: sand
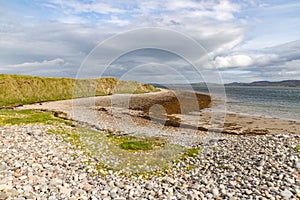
[176,115]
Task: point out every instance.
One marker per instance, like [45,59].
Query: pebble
[215,192]
[56,182]
[286,194]
[43,166]
[3,196]
[248,192]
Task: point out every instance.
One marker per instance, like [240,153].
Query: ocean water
[273,102]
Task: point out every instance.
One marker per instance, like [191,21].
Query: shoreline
[148,112]
[38,164]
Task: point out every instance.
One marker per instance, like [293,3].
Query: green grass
[130,155]
[136,145]
[13,117]
[137,142]
[18,89]
[222,167]
[297,147]
[193,152]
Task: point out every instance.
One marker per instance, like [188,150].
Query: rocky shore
[38,165]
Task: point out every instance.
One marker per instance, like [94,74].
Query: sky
[152,41]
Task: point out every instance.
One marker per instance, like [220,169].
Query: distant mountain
[285,83]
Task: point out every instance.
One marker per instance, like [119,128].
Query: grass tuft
[193,152]
[12,117]
[297,148]
[136,145]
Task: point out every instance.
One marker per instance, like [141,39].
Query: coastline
[148,112]
[38,165]
[47,166]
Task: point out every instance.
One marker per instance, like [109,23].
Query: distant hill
[285,83]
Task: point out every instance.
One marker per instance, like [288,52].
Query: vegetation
[137,143]
[131,154]
[222,167]
[193,152]
[13,117]
[297,147]
[18,89]
[134,154]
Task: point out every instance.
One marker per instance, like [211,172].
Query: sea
[271,102]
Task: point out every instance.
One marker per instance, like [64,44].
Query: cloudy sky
[242,40]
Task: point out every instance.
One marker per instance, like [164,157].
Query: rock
[260,168]
[113,195]
[65,191]
[190,196]
[223,191]
[286,194]
[56,182]
[82,176]
[290,180]
[52,198]
[70,177]
[297,165]
[215,192]
[209,195]
[104,192]
[4,187]
[3,196]
[248,192]
[27,188]
[149,186]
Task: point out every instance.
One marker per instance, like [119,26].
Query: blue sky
[246,40]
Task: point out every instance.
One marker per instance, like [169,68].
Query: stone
[64,190]
[215,192]
[290,180]
[223,191]
[27,188]
[52,198]
[3,196]
[113,195]
[4,187]
[248,192]
[149,186]
[209,195]
[56,182]
[286,194]
[104,192]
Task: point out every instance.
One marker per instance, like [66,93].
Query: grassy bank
[19,89]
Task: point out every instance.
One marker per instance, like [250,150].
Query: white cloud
[243,60]
[63,39]
[234,61]
[225,9]
[57,67]
[117,21]
[77,7]
[43,64]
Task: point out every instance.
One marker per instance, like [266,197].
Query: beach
[251,158]
[164,113]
